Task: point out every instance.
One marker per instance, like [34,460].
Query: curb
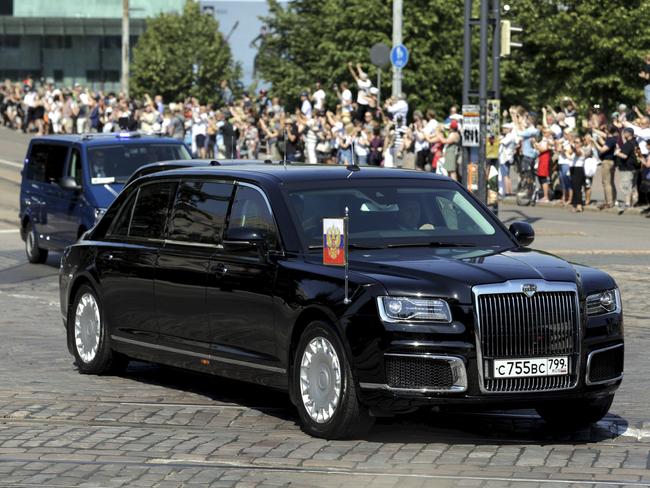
[512,201]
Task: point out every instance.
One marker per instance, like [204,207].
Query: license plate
[525,367]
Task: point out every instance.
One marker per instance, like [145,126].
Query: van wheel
[34,253]
[328,404]
[575,414]
[90,338]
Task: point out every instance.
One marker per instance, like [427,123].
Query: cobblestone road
[156,426]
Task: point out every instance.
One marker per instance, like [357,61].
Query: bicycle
[527,191]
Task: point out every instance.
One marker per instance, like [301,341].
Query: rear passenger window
[46,162]
[199,212]
[120,226]
[151,209]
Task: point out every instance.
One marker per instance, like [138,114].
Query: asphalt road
[154,426]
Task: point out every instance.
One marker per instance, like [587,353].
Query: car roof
[100,139]
[295,173]
[159,166]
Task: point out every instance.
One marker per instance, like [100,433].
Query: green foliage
[313,40]
[165,56]
[590,50]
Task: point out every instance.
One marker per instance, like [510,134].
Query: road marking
[11,163]
[9,231]
[29,297]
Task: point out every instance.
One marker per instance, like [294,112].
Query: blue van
[68,181]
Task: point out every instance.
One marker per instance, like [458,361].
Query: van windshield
[115,163]
[396,213]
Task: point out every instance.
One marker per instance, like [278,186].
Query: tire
[35,254]
[348,418]
[90,339]
[575,414]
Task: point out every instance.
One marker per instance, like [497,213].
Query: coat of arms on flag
[334,242]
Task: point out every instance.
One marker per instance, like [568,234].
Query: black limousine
[220,270]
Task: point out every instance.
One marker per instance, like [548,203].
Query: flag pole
[346,221]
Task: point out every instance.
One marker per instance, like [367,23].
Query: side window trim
[268,206]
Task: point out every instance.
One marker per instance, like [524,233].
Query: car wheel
[575,414]
[90,339]
[34,253]
[327,399]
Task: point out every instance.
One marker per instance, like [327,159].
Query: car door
[126,262]
[241,282]
[194,233]
[44,170]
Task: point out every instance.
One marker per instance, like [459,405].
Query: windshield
[116,163]
[395,213]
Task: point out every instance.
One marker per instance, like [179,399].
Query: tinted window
[250,210]
[120,226]
[200,212]
[46,162]
[118,161]
[151,209]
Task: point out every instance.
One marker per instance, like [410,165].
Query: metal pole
[346,223]
[467,75]
[496,49]
[125,47]
[397,39]
[378,88]
[482,95]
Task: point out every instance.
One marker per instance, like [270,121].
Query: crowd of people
[335,125]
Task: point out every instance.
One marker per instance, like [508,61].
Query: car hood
[452,273]
[104,194]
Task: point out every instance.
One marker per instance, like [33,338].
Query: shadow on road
[512,427]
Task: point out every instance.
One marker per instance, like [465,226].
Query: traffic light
[506,32]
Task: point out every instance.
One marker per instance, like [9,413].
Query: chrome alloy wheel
[29,242]
[87,324]
[320,379]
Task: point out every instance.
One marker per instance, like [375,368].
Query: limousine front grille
[513,325]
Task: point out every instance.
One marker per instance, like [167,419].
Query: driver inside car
[409,215]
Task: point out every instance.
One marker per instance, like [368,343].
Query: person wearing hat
[627,165]
[305,105]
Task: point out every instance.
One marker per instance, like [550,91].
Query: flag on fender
[334,238]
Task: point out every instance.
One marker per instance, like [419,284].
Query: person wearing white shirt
[398,109]
[305,106]
[319,98]
[507,146]
[363,85]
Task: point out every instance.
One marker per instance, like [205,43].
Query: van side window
[46,162]
[74,168]
[151,210]
[250,210]
[199,212]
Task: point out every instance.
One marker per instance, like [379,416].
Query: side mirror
[69,183]
[523,232]
[244,237]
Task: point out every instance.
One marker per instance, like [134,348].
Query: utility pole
[397,40]
[482,100]
[125,47]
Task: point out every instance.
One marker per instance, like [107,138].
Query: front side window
[199,212]
[46,162]
[116,162]
[74,168]
[151,209]
[250,211]
[395,213]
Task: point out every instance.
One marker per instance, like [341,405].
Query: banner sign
[471,125]
[334,238]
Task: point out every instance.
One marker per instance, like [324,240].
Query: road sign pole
[397,40]
[467,78]
[482,95]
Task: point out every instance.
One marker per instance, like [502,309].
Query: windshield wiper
[431,244]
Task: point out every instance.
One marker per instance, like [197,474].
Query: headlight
[603,302]
[98,214]
[407,309]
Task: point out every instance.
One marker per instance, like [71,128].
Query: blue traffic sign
[399,56]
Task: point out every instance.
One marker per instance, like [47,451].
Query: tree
[589,50]
[179,56]
[311,41]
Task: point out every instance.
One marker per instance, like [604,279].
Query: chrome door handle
[109,257]
[221,269]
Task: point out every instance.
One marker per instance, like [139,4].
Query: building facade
[70,41]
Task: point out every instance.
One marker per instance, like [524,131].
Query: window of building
[10,42]
[6,7]
[57,42]
[151,209]
[112,42]
[58,75]
[200,212]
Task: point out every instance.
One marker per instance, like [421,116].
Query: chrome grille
[513,325]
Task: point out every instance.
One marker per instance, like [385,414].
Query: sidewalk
[512,200]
